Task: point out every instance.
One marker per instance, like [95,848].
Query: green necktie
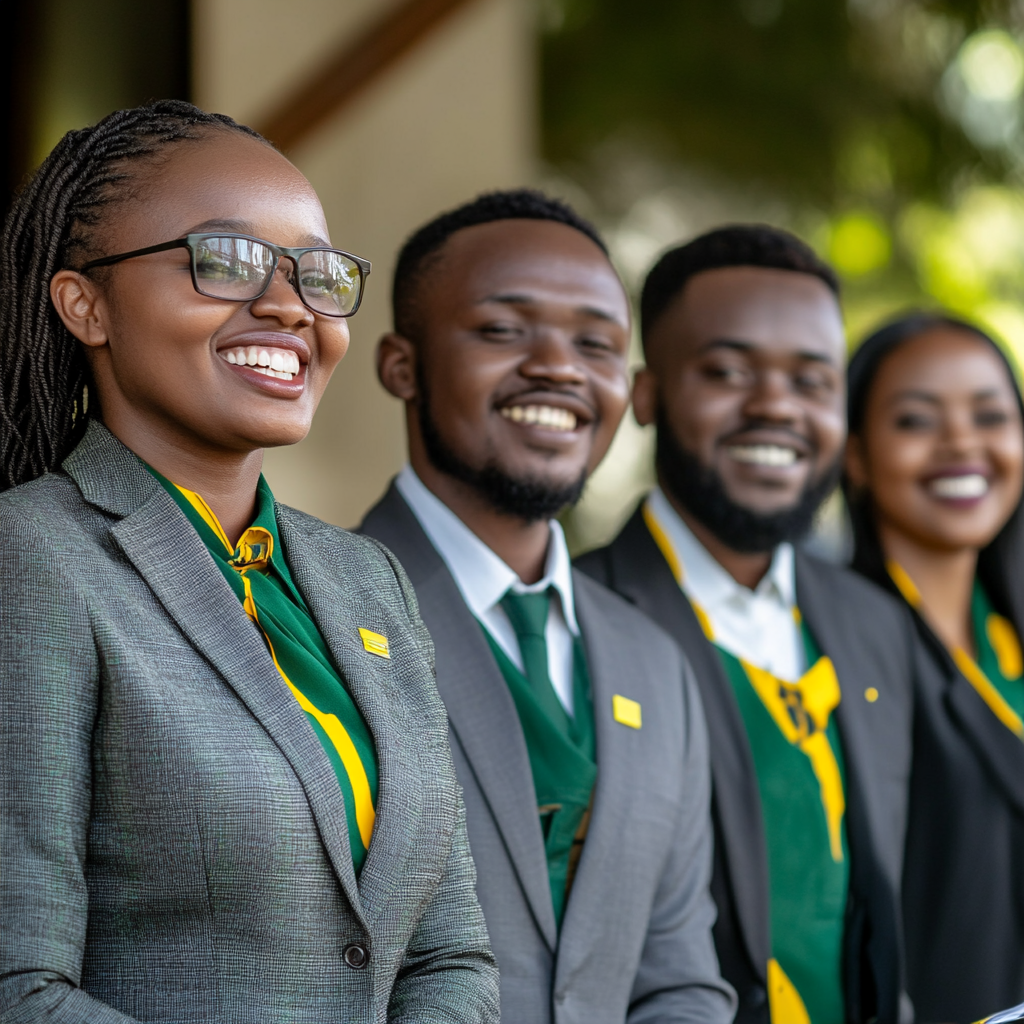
[528,614]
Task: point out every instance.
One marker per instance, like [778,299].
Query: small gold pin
[375,643]
[871,695]
[626,711]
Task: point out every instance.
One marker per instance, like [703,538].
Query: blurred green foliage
[887,132]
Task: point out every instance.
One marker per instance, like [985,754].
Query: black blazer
[871,642]
[963,881]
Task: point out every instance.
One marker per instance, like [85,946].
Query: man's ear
[396,366]
[645,396]
[80,305]
[854,463]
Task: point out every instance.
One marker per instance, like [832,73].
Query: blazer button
[756,996]
[356,956]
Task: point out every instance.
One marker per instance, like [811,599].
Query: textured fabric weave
[172,836]
[257,571]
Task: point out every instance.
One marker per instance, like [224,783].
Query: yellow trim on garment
[336,733]
[255,548]
[816,694]
[209,517]
[668,552]
[1003,638]
[970,669]
[784,1003]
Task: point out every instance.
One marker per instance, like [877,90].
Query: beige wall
[456,117]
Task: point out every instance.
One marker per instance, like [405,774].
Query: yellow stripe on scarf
[1003,640]
[254,552]
[336,733]
[784,1003]
[816,695]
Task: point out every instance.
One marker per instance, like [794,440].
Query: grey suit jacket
[869,638]
[173,842]
[635,943]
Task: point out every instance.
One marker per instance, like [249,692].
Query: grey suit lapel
[371,680]
[168,554]
[480,709]
[642,575]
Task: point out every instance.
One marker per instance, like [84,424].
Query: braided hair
[44,376]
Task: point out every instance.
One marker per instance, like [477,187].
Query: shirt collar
[480,574]
[705,579]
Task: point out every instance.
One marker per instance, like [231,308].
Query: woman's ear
[854,464]
[396,366]
[645,396]
[80,305]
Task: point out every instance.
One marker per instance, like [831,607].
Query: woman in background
[225,787]
[934,471]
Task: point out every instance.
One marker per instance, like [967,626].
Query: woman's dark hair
[995,560]
[51,226]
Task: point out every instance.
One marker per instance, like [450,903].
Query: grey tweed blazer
[173,842]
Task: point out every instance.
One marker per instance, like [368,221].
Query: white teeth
[548,416]
[272,362]
[971,485]
[763,454]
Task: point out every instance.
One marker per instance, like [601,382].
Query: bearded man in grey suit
[575,724]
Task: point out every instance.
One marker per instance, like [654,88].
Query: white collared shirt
[483,578]
[758,625]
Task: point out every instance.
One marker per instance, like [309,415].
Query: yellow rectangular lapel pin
[626,711]
[375,643]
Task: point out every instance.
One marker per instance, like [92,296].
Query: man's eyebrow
[746,347]
[515,299]
[244,227]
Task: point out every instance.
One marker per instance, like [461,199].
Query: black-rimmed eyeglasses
[239,268]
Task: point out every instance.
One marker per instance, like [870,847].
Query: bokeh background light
[888,133]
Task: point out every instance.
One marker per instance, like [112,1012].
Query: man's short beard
[699,489]
[525,498]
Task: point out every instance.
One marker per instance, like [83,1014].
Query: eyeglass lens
[235,268]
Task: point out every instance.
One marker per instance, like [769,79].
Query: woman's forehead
[223,176]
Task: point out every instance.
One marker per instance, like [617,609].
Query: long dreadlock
[43,371]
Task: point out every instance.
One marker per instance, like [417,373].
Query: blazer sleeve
[678,978]
[49,683]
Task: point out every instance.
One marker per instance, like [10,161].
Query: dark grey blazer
[635,943]
[173,842]
[869,639]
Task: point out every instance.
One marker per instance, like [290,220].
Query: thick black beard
[528,499]
[699,489]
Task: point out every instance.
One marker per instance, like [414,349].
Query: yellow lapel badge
[626,711]
[375,643]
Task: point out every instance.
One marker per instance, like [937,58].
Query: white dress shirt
[483,578]
[758,625]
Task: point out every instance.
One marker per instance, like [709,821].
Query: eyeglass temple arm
[178,243]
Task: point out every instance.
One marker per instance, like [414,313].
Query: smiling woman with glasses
[225,786]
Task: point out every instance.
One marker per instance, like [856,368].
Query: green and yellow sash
[258,573]
[798,759]
[997,674]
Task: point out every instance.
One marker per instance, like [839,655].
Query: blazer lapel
[641,574]
[371,680]
[995,746]
[860,749]
[480,709]
[168,554]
